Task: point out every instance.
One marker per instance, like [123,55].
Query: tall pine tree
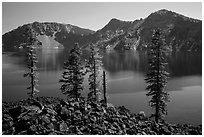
[93,67]
[31,61]
[157,76]
[72,77]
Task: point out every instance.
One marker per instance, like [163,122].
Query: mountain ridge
[181,33]
[55,31]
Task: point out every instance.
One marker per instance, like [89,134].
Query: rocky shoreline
[54,116]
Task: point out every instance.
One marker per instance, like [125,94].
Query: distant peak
[174,14]
[162,11]
[114,20]
[35,22]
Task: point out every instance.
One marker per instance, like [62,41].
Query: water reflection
[184,64]
[127,61]
[179,63]
[50,60]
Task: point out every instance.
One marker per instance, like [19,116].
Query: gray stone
[63,127]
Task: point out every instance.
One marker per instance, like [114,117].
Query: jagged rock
[142,115]
[92,119]
[55,125]
[78,112]
[76,105]
[32,108]
[143,133]
[7,117]
[23,133]
[15,112]
[78,132]
[71,108]
[164,130]
[29,114]
[57,108]
[77,116]
[49,111]
[50,126]
[152,133]
[63,127]
[65,113]
[24,117]
[7,124]
[193,132]
[61,120]
[45,119]
[110,131]
[32,129]
[52,133]
[38,104]
[64,103]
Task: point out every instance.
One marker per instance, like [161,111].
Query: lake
[126,86]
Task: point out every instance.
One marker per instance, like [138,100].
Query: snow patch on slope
[49,42]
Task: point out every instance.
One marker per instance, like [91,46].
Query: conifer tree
[31,61]
[157,76]
[72,77]
[93,67]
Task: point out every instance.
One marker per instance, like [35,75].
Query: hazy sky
[87,15]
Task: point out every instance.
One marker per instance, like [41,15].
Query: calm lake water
[126,86]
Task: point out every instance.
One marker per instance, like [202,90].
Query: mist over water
[126,86]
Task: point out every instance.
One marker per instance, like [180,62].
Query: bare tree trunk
[95,78]
[32,79]
[104,88]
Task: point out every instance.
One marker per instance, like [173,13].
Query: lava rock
[15,112]
[63,127]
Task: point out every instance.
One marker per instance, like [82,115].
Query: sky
[88,15]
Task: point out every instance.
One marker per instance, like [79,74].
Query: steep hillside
[115,24]
[181,33]
[49,34]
